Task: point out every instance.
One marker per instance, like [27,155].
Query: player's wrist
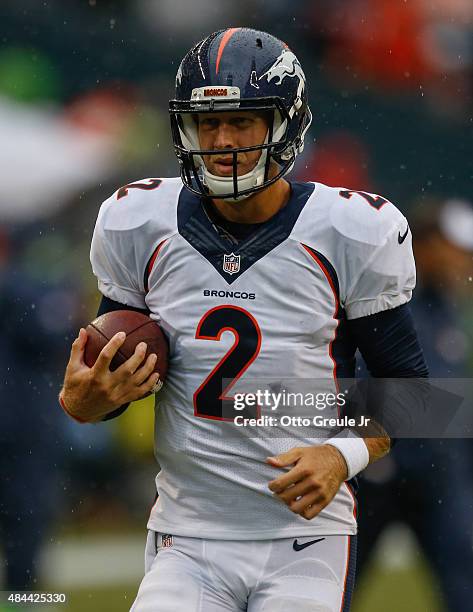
[353,450]
[338,460]
[83,412]
[68,409]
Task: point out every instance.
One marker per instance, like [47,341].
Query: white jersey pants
[301,574]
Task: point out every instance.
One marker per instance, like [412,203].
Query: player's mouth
[224,166]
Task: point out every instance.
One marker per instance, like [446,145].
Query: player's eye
[242,122]
[209,123]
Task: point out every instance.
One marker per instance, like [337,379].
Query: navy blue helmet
[239,69]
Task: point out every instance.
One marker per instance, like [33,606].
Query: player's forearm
[376,439]
[377,447]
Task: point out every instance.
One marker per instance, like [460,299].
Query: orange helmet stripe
[223,43]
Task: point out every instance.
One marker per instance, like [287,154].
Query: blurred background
[84,88]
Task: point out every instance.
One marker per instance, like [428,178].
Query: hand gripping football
[138,328]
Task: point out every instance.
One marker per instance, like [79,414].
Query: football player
[249,275]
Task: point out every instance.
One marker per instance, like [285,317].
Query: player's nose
[224,137]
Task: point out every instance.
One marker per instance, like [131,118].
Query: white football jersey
[272,306]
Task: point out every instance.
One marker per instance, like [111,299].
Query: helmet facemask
[278,148]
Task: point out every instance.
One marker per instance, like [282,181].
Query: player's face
[221,131]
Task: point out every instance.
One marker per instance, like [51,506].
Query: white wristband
[354,451]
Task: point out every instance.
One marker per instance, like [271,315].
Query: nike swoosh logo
[400,238]
[298,547]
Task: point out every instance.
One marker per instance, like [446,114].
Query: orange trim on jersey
[355,507]
[327,275]
[346,574]
[223,43]
[149,268]
[337,305]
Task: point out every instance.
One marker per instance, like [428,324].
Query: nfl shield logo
[166,540]
[231,263]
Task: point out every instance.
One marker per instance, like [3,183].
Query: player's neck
[256,208]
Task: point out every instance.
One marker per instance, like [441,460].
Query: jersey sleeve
[381,277]
[115,261]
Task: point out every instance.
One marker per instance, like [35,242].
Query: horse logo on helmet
[286,65]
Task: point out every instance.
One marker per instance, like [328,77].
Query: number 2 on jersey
[210,400]
[153,184]
[375,201]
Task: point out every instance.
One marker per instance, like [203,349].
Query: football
[138,328]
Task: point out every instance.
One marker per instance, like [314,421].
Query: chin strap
[224,184]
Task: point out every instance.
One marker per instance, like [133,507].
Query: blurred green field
[409,589]
[401,590]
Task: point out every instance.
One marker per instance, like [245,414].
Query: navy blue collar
[195,226]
